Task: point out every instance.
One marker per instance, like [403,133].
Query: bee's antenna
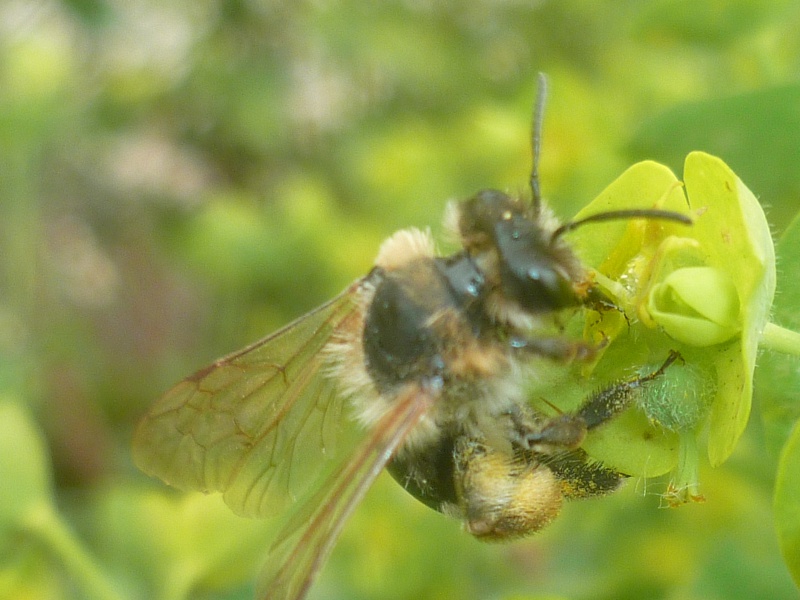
[536,139]
[617,215]
[611,215]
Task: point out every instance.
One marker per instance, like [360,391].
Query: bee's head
[519,246]
[515,246]
[520,250]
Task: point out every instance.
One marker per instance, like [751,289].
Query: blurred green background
[178,178]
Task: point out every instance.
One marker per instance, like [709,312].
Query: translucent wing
[255,424]
[307,539]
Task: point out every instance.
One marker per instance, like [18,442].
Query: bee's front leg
[567,431]
[602,406]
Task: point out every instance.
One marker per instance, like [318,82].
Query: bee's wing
[255,424]
[306,540]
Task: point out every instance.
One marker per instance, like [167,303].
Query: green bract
[703,290]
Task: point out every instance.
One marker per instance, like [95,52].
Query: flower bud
[698,306]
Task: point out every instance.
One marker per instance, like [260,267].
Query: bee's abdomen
[428,475]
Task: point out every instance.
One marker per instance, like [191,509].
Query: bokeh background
[178,178]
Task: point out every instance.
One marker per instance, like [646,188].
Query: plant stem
[780,339]
[617,289]
[43,522]
[685,486]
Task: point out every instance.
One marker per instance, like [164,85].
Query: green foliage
[778,373]
[787,503]
[27,515]
[769,120]
[179,178]
[777,382]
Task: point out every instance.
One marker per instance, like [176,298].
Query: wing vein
[306,540]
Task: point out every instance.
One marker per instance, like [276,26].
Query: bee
[431,354]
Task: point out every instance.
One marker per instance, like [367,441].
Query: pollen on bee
[503,497]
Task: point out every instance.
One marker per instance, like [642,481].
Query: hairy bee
[433,354]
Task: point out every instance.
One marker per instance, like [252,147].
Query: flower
[703,290]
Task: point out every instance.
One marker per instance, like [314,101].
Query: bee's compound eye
[551,285]
[530,272]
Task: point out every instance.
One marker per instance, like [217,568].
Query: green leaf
[24,467]
[778,375]
[787,503]
[26,505]
[200,544]
[756,132]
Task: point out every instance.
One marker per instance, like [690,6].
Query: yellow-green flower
[704,290]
